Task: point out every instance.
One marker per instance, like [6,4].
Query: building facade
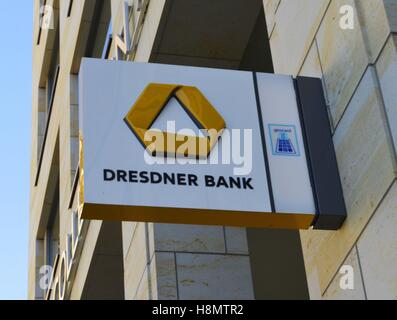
[351,45]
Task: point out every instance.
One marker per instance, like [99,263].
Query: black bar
[265,158]
[306,150]
[108,46]
[39,36]
[74,186]
[70,8]
[201,309]
[322,161]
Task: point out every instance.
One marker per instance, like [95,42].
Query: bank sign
[172,144]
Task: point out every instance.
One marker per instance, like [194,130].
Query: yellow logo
[150,104]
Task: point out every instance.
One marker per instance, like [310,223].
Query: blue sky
[15,96]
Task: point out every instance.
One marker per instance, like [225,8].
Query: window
[51,239]
[47,90]
[133,19]
[74,125]
[53,73]
[108,43]
[48,232]
[42,14]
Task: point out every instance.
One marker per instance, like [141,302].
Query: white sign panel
[240,182]
[285,146]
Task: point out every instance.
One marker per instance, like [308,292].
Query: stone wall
[359,71]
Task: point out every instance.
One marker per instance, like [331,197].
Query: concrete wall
[164,261]
[61,147]
[359,69]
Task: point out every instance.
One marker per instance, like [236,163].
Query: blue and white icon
[284,141]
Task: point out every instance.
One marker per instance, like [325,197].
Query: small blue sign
[284,141]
